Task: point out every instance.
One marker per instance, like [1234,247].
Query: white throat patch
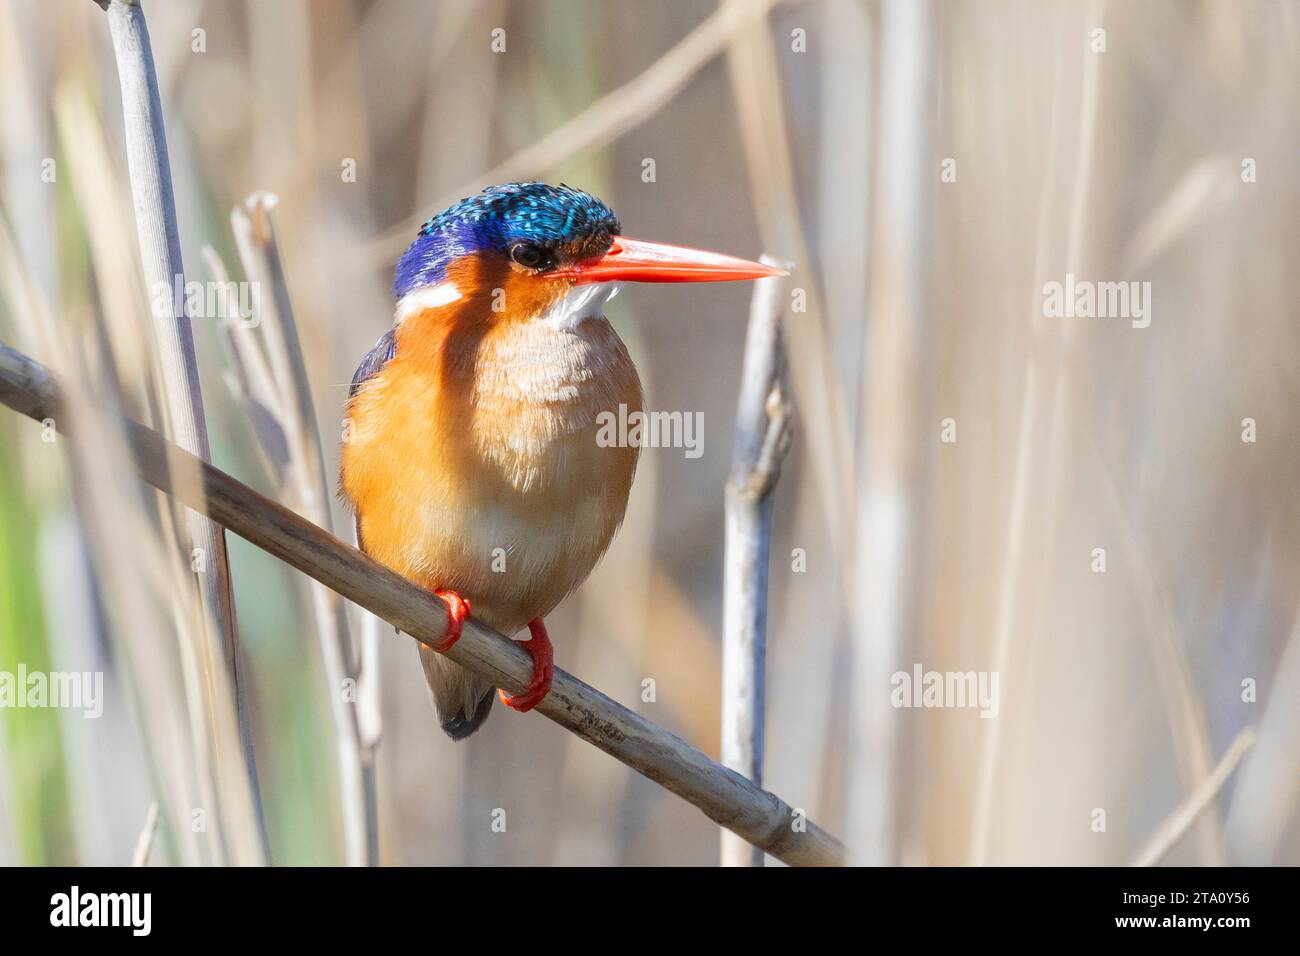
[580,303]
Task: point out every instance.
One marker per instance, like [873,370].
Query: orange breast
[472,460]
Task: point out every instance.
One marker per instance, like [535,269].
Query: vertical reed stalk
[305,488]
[894,428]
[160,255]
[763,420]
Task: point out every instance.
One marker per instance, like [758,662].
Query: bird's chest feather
[474,464]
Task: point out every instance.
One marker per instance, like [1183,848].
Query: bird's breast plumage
[472,458]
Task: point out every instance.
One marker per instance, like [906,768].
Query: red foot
[539,647]
[457,611]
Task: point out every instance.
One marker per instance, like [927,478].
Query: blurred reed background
[1120,690]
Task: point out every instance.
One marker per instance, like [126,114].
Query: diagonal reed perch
[725,796]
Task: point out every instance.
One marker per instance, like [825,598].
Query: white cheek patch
[582,302]
[424,298]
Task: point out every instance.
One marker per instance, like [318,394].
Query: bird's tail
[462,699]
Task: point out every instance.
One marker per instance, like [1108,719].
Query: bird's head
[539,251]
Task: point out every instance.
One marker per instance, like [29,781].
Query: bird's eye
[527,255]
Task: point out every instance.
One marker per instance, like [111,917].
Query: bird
[470,459]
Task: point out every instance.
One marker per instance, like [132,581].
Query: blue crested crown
[547,216]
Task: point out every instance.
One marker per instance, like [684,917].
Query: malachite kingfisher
[471,456]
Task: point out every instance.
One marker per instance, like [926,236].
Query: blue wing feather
[375,359]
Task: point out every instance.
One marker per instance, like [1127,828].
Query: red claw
[543,655]
[457,611]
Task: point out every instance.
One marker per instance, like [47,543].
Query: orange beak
[632,260]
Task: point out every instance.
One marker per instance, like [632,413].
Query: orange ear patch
[495,291]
